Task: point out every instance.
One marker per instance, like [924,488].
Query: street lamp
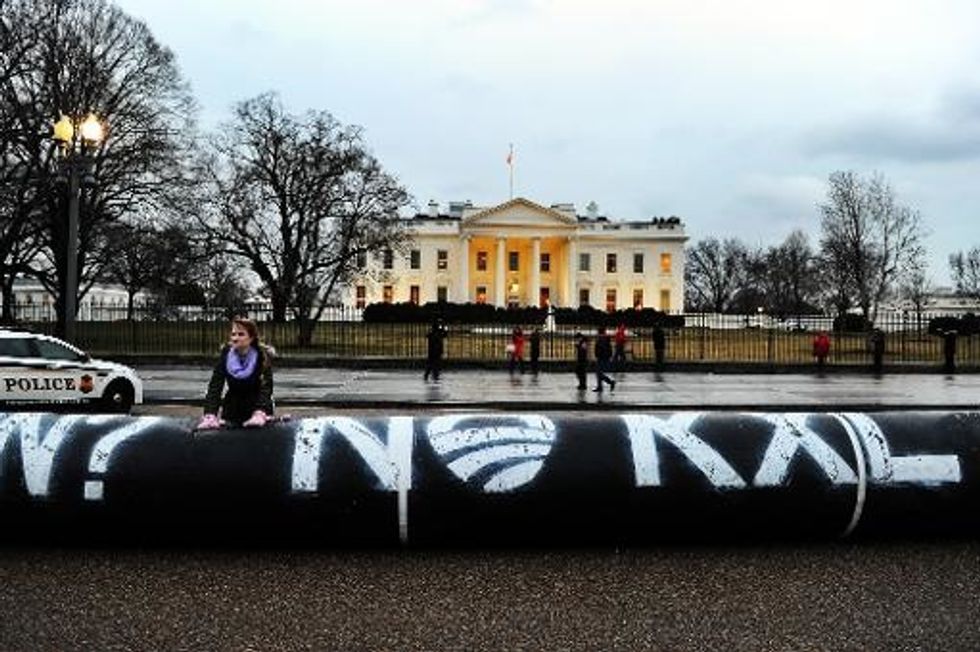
[77,140]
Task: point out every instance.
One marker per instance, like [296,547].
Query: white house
[522,253]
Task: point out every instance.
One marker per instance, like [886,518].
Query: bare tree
[785,275]
[868,239]
[81,56]
[965,269]
[713,273]
[915,285]
[19,241]
[297,198]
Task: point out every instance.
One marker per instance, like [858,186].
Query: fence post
[770,341]
[701,339]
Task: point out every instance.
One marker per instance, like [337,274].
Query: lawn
[487,343]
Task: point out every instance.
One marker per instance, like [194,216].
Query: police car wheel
[118,397]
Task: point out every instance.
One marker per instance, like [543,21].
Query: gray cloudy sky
[728,113]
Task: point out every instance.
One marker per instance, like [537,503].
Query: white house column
[498,279]
[464,269]
[571,275]
[535,272]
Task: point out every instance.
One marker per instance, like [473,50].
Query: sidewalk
[496,389]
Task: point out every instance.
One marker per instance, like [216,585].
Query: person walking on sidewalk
[516,349]
[581,360]
[603,353]
[245,366]
[620,340]
[535,343]
[659,345]
[434,344]
[821,348]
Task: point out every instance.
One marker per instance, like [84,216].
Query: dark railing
[705,338]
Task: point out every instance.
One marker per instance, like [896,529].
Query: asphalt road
[853,596]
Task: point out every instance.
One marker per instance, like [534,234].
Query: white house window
[442,259]
[610,263]
[584,263]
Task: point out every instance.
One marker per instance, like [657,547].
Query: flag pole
[510,165]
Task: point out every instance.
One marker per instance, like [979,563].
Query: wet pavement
[496,389]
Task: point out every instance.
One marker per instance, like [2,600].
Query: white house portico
[523,253]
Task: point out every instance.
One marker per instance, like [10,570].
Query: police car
[42,370]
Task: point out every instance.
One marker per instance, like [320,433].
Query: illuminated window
[665,300]
[610,299]
[638,298]
[442,259]
[481,293]
[361,294]
[481,261]
[413,294]
[544,297]
[665,263]
[387,294]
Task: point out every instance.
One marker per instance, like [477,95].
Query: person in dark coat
[603,354]
[949,351]
[434,339]
[245,366]
[659,345]
[581,360]
[535,342]
[877,349]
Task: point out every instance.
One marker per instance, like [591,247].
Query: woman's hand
[257,420]
[209,422]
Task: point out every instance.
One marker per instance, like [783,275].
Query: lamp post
[76,165]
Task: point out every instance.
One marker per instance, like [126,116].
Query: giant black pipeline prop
[491,478]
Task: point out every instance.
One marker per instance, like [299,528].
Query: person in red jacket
[619,339]
[821,348]
[516,349]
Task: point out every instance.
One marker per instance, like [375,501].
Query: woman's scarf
[241,367]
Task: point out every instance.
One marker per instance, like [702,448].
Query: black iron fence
[704,338]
